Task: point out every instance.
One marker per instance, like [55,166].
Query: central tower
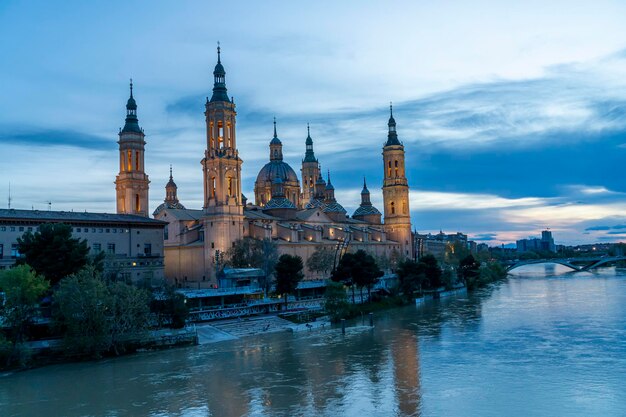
[396,191]
[221,167]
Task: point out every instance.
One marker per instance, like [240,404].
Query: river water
[542,343]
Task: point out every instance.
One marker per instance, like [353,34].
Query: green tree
[128,313]
[53,252]
[288,275]
[432,270]
[365,272]
[456,251]
[321,260]
[343,272]
[23,289]
[170,307]
[412,276]
[81,303]
[336,301]
[469,272]
[254,253]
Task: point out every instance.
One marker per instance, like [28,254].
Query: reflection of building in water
[406,368]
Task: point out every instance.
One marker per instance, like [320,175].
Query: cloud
[485,237]
[52,138]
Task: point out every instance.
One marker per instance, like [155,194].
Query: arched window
[393,208]
[389,169]
[230,186]
[396,166]
[212,190]
[137,206]
[129,159]
[404,207]
[137,161]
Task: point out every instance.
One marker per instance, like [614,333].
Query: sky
[513,114]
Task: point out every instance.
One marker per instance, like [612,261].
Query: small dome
[131,104]
[275,141]
[365,211]
[334,207]
[279,202]
[314,203]
[168,205]
[274,169]
[219,69]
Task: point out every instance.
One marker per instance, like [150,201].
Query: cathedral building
[299,214]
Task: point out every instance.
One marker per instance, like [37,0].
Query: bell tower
[131,184]
[396,191]
[310,169]
[221,168]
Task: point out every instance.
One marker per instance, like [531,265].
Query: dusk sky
[513,114]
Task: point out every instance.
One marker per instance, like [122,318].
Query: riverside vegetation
[56,291]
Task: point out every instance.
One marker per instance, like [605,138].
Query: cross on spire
[218,53]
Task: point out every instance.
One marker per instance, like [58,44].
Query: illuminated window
[137,161]
[129,158]
[230,186]
[137,206]
[396,168]
[389,169]
[220,134]
[212,187]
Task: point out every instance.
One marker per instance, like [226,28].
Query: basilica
[298,214]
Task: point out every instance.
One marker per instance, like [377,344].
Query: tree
[456,251]
[81,302]
[254,253]
[321,261]
[365,272]
[52,252]
[23,289]
[128,313]
[432,272]
[169,306]
[343,272]
[288,275]
[468,272]
[336,301]
[412,276]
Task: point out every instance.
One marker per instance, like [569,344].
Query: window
[3,229]
[147,249]
[13,228]
[108,230]
[111,248]
[14,251]
[230,186]
[137,206]
[212,245]
[393,208]
[212,190]
[78,229]
[389,169]
[21,228]
[96,247]
[129,158]
[30,229]
[396,168]
[137,161]
[100,230]
[166,232]
[114,230]
[1,250]
[93,230]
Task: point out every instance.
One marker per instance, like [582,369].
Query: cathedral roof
[168,205]
[365,210]
[279,202]
[334,207]
[276,168]
[314,203]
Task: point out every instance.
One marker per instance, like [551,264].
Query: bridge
[576,264]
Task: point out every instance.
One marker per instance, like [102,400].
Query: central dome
[275,169]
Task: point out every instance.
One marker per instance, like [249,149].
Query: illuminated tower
[131,184]
[310,169]
[221,167]
[396,191]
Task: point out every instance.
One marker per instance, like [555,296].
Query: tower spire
[275,135]
[219,79]
[392,136]
[171,178]
[131,88]
[219,50]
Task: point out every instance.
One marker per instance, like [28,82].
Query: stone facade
[297,218]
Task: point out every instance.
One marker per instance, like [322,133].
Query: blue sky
[513,114]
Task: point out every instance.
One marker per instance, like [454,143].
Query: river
[542,343]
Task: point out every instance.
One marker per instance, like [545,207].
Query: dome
[279,169]
[168,205]
[279,203]
[314,203]
[219,69]
[365,211]
[334,207]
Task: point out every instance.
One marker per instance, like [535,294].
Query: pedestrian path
[249,327]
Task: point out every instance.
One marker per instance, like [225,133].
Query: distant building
[436,245]
[546,243]
[133,244]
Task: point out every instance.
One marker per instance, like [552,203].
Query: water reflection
[527,346]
